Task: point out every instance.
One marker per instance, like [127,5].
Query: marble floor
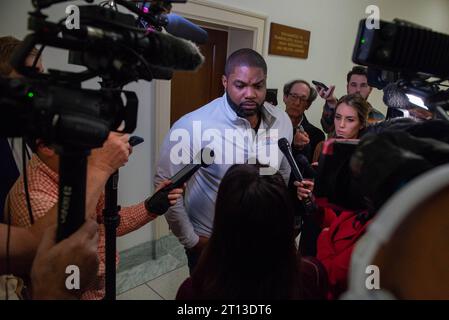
[152,271]
[162,288]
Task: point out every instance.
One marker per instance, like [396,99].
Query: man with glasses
[298,97]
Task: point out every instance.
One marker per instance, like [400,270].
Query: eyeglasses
[295,97]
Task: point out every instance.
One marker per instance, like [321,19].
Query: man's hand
[301,139]
[173,195]
[328,95]
[48,274]
[113,155]
[304,188]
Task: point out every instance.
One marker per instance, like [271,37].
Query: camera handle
[72,190]
[72,205]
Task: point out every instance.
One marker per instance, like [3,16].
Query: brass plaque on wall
[289,41]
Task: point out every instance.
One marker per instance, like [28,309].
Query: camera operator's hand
[328,95]
[173,195]
[304,188]
[48,274]
[113,155]
[102,163]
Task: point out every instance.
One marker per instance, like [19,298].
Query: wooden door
[191,90]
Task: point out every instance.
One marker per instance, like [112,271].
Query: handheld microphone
[159,202]
[135,140]
[284,146]
[307,169]
[181,27]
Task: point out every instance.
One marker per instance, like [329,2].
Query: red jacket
[334,248]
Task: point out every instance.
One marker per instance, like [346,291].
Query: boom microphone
[181,27]
[284,146]
[42,4]
[160,49]
[168,51]
[394,97]
[159,202]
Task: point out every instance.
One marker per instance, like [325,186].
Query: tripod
[111,222]
[71,207]
[72,190]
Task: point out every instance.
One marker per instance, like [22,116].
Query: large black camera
[63,115]
[110,44]
[113,46]
[409,58]
[410,63]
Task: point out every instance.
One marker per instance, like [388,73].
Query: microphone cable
[25,183]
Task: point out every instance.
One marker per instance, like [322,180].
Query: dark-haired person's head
[357,82]
[351,116]
[298,97]
[7,46]
[251,252]
[245,82]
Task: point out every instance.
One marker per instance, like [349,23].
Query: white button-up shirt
[217,126]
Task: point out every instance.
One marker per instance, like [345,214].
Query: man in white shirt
[239,128]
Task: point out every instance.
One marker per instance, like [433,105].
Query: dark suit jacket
[315,135]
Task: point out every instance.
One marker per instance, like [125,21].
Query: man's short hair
[312,95]
[7,46]
[359,70]
[245,57]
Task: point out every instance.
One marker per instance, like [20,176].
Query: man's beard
[242,112]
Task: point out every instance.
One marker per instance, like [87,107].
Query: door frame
[224,17]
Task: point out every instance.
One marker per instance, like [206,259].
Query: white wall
[333,25]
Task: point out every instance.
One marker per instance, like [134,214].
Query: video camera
[410,63]
[410,57]
[63,115]
[111,45]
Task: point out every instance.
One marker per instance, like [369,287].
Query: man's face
[359,84]
[246,88]
[296,101]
